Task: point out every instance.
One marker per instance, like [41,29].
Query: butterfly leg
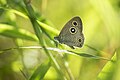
[72,47]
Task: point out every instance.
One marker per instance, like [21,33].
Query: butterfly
[71,34]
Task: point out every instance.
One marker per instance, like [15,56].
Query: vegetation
[28,50]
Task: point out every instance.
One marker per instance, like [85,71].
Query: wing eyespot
[73,30]
[80,40]
[75,23]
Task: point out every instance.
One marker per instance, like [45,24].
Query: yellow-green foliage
[28,50]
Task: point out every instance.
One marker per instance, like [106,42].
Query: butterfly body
[71,34]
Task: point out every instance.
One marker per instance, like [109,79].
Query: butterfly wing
[71,34]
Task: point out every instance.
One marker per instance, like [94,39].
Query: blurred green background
[101,28]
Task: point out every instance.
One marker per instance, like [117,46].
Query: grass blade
[10,31]
[40,72]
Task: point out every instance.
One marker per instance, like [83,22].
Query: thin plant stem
[39,33]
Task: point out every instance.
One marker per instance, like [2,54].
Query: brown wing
[67,35]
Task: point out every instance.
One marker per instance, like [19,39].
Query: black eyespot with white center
[74,23]
[73,30]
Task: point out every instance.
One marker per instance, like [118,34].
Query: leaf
[48,28]
[89,55]
[40,71]
[60,51]
[10,31]
[43,25]
[108,70]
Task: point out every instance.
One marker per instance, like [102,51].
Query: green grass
[28,28]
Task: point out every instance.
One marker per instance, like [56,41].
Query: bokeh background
[101,28]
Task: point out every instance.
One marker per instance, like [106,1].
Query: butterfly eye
[74,23]
[73,30]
